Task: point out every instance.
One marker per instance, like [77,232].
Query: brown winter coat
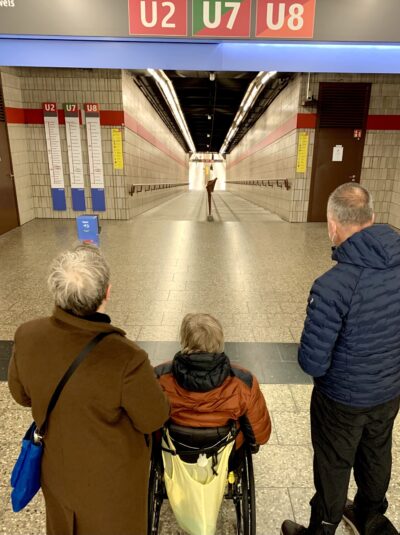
[206,390]
[96,458]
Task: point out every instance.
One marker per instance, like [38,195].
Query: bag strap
[79,359]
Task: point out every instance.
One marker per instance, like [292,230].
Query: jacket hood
[376,247]
[200,372]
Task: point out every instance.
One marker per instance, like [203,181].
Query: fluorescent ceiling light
[171,98]
[269,75]
[253,91]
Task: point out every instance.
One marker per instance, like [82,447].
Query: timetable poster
[51,126]
[74,145]
[93,129]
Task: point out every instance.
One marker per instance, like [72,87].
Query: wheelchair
[188,443]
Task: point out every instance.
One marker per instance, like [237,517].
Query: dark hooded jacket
[351,338]
[206,390]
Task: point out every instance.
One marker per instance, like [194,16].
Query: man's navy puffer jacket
[351,338]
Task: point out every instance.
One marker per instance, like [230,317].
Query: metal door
[339,141]
[8,203]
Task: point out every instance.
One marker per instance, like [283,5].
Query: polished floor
[247,267]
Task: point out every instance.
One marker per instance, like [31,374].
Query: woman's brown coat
[96,458]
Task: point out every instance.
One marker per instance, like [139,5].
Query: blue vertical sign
[95,152]
[73,134]
[54,155]
[88,229]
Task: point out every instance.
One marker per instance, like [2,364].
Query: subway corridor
[249,268]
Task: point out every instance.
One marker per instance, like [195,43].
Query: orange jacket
[205,390]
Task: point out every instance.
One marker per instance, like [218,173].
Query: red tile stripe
[107,118]
[309,120]
[140,130]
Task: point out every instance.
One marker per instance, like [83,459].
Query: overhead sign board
[317,20]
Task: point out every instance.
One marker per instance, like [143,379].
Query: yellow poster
[118,154]
[302,152]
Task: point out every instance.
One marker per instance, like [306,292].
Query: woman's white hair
[79,280]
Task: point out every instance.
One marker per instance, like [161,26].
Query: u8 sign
[293,19]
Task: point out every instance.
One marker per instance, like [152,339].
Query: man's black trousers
[344,438]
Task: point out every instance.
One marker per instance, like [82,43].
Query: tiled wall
[381,161]
[152,154]
[19,145]
[275,160]
[113,90]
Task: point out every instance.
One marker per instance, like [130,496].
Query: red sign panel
[293,19]
[91,107]
[49,107]
[221,18]
[158,17]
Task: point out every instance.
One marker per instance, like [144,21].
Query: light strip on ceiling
[168,91]
[252,93]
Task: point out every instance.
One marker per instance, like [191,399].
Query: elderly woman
[96,449]
[206,390]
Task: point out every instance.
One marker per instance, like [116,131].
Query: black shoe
[349,516]
[291,528]
[379,525]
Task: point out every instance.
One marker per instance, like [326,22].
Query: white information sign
[53,145]
[74,144]
[95,151]
[337,154]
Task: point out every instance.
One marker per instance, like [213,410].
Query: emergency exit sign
[243,19]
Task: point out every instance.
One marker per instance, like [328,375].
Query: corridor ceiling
[209,102]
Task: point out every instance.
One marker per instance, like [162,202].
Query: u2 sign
[158,17]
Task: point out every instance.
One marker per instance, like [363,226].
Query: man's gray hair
[79,280]
[351,204]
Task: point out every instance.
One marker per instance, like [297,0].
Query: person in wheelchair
[205,390]
[218,418]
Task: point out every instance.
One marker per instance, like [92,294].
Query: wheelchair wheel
[156,493]
[245,497]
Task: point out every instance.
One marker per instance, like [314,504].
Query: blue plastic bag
[25,477]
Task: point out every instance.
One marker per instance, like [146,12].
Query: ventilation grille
[343,105]
[2,108]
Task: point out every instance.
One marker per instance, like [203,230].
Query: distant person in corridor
[96,458]
[351,346]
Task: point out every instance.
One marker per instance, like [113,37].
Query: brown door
[8,202]
[339,141]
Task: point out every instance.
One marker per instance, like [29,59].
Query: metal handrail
[142,188]
[279,183]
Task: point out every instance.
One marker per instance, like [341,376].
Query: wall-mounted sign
[158,17]
[74,145]
[221,18]
[54,155]
[293,19]
[95,151]
[118,153]
[337,153]
[335,20]
[302,153]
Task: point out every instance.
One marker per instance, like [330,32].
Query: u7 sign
[260,19]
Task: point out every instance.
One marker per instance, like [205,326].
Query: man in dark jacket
[351,346]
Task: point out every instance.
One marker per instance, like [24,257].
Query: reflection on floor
[248,268]
[193,206]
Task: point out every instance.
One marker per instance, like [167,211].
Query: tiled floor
[248,268]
